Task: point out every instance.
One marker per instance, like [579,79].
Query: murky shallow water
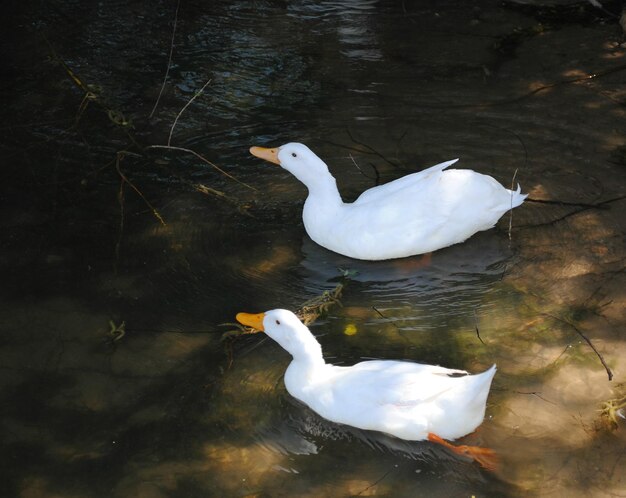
[172,410]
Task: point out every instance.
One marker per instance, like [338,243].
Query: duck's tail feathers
[438,167]
[482,383]
[488,374]
[444,165]
[517,197]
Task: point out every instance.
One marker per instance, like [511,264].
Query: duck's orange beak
[252,320]
[270,155]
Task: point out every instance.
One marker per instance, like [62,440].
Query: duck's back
[405,399]
[416,181]
[413,215]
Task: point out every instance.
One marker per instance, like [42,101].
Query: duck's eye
[277,322]
[293,154]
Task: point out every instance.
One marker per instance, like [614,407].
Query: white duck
[408,400]
[416,214]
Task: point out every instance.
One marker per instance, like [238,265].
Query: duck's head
[287,330]
[296,158]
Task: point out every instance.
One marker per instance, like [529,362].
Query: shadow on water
[118,270]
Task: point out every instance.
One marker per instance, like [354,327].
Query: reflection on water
[353,20]
[449,283]
[170,409]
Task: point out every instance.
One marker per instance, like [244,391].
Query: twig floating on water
[585,207]
[379,313]
[511,210]
[587,340]
[476,327]
[199,92]
[203,159]
[376,178]
[120,156]
[370,148]
[169,60]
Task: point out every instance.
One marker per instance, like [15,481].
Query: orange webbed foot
[486,457]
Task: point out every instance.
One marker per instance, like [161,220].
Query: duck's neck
[308,352]
[321,208]
[303,370]
[323,189]
[303,373]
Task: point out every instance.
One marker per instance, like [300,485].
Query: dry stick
[562,320]
[584,208]
[189,151]
[169,138]
[476,327]
[120,198]
[377,481]
[523,96]
[374,151]
[169,60]
[588,77]
[363,172]
[511,210]
[386,318]
[203,189]
[587,205]
[120,155]
[90,96]
[535,393]
[182,149]
[379,313]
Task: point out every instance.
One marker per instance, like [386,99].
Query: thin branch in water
[510,132]
[379,312]
[600,205]
[120,156]
[377,481]
[537,394]
[169,60]
[203,159]
[206,190]
[376,179]
[369,147]
[198,93]
[587,340]
[562,353]
[506,267]
[476,327]
[395,325]
[88,97]
[120,199]
[399,141]
[511,210]
[519,98]
[579,79]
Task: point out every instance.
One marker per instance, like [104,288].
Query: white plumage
[408,400]
[415,214]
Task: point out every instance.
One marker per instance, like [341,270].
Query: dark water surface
[100,230]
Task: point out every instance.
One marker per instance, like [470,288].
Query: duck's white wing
[444,209]
[396,383]
[404,399]
[409,181]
